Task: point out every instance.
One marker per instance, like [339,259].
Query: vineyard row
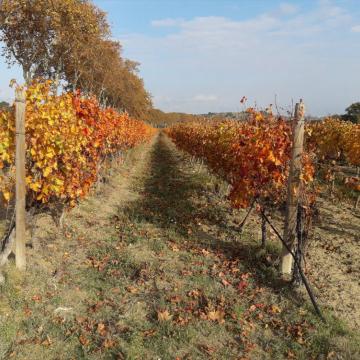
[254,155]
[67,139]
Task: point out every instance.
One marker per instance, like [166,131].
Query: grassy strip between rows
[151,267]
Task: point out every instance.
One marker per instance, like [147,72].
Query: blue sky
[204,55]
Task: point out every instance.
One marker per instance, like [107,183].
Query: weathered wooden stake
[20,103]
[293,188]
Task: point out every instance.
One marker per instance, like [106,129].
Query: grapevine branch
[246,216]
[6,242]
[8,233]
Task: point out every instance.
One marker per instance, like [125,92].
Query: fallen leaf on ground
[225,282]
[242,285]
[205,252]
[274,309]
[47,341]
[216,315]
[101,329]
[163,315]
[208,349]
[108,344]
[290,355]
[175,299]
[37,298]
[27,311]
[182,321]
[132,289]
[252,308]
[194,293]
[83,340]
[149,333]
[174,248]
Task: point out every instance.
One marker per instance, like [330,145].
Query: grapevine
[253,156]
[67,137]
[335,140]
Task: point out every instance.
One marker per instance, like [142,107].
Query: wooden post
[293,188]
[20,104]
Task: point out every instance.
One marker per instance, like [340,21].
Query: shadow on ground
[167,191]
[168,202]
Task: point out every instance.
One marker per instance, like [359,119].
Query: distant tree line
[4,105]
[70,42]
[352,113]
[161,119]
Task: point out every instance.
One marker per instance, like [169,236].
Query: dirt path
[152,266]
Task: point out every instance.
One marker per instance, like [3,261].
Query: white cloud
[288,9]
[168,22]
[270,53]
[206,98]
[356,29]
[216,32]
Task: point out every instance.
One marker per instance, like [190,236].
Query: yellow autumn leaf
[164,315]
[50,154]
[7,195]
[5,157]
[35,186]
[47,171]
[59,182]
[216,315]
[55,188]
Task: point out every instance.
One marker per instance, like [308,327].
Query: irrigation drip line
[302,275]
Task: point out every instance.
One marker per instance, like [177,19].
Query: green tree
[353,113]
[4,105]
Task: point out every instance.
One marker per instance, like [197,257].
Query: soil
[334,259]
